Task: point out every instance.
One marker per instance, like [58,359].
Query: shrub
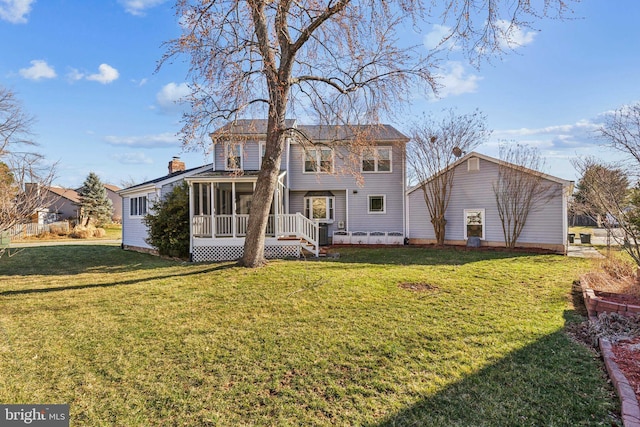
[82,232]
[168,223]
[99,232]
[58,230]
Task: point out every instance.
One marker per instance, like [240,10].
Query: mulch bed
[627,357]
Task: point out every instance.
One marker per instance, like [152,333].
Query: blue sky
[86,70]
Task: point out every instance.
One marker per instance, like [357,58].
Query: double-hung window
[318,160]
[319,208]
[138,206]
[233,156]
[376,159]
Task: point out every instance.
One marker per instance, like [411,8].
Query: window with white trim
[377,204]
[262,149]
[376,159]
[474,222]
[233,156]
[319,208]
[138,206]
[318,160]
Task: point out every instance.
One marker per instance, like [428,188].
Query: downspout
[405,220]
[286,195]
[346,207]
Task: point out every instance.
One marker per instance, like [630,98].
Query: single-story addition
[473,211]
[314,200]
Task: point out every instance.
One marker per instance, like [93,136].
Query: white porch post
[233,209]
[191,209]
[276,211]
[212,201]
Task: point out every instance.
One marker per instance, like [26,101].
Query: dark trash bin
[323,235]
[585,238]
[572,237]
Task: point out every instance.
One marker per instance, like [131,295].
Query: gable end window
[318,160]
[474,222]
[376,159]
[377,204]
[138,206]
[233,157]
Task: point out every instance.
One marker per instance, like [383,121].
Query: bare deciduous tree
[435,145]
[341,61]
[521,188]
[598,183]
[621,209]
[621,130]
[19,166]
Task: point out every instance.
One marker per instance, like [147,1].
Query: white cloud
[513,36]
[581,127]
[172,95]
[435,38]
[138,7]
[39,70]
[133,158]
[15,11]
[75,75]
[454,80]
[106,74]
[161,140]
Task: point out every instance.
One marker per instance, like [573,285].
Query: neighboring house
[317,197]
[61,204]
[116,201]
[473,207]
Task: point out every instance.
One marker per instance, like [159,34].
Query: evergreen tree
[168,223]
[94,203]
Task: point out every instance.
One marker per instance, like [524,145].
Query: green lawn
[133,340]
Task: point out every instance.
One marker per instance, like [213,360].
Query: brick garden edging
[629,403]
[596,305]
[630,408]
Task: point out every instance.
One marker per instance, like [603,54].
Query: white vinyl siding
[474,190]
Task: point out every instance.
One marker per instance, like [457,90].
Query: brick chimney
[176,165]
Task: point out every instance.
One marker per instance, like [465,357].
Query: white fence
[33,229]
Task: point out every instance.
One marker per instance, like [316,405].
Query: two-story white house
[333,186]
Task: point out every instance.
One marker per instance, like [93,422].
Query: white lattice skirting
[232,253]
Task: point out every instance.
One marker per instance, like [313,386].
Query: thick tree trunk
[262,198]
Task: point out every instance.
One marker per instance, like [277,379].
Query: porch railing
[296,225]
[224,225]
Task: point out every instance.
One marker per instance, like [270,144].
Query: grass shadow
[424,255]
[180,274]
[77,259]
[525,388]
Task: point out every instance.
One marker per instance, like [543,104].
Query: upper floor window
[376,159]
[138,206]
[318,160]
[233,156]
